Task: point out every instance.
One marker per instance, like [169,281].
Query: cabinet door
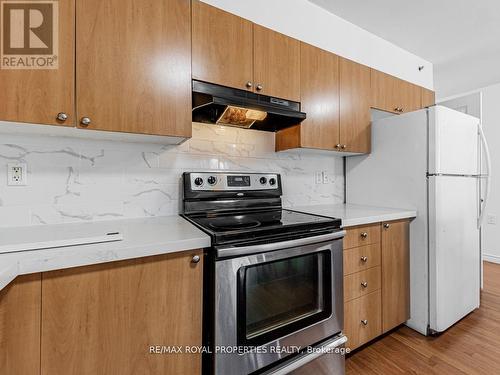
[103,319]
[410,96]
[134,65]
[428,98]
[222,47]
[20,304]
[319,92]
[395,274]
[362,319]
[276,64]
[385,92]
[355,127]
[38,95]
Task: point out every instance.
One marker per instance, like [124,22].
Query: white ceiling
[460,37]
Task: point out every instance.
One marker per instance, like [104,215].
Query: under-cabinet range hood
[222,105]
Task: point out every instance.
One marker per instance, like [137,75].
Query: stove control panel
[233,181]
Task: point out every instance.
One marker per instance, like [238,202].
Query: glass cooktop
[225,228]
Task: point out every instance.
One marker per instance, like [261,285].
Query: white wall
[312,24]
[74,180]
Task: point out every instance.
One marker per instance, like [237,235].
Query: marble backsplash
[74,180]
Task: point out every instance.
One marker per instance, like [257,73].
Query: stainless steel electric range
[273,278]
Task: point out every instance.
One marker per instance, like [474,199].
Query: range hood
[222,105]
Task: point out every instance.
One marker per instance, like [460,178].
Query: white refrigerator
[429,160]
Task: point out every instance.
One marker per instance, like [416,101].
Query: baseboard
[491,258]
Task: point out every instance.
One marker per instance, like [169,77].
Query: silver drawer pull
[364,235]
[195,259]
[364,259]
[365,322]
[364,284]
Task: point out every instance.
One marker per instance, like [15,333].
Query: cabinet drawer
[363,319]
[362,235]
[361,283]
[361,258]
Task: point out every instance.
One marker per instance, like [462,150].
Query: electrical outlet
[326,177]
[492,219]
[318,177]
[17,174]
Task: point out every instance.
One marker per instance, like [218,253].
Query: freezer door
[454,257]
[453,142]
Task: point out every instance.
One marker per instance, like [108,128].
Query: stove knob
[198,181]
[272,181]
[212,180]
[263,180]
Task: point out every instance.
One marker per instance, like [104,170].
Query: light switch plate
[17,174]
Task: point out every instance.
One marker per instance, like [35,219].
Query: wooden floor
[472,346]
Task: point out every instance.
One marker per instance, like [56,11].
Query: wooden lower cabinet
[20,304]
[376,280]
[363,318]
[395,274]
[362,235]
[103,319]
[361,258]
[361,283]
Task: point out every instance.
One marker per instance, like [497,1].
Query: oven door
[278,299]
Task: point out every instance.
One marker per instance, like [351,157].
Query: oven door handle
[326,348]
[229,251]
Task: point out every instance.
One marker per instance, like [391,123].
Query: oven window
[280,297]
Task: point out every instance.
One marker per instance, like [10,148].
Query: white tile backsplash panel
[76,180]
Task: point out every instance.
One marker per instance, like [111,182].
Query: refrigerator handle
[488,175]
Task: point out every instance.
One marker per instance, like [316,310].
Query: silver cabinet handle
[364,284]
[195,259]
[343,147]
[365,322]
[364,235]
[387,225]
[259,87]
[364,259]
[249,84]
[61,116]
[85,121]
[338,145]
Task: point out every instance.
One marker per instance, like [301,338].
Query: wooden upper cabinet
[276,67]
[39,95]
[428,98]
[222,47]
[319,91]
[102,319]
[395,274]
[355,127]
[20,307]
[410,96]
[394,95]
[385,91]
[134,65]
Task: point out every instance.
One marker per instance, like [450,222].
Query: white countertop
[141,237]
[353,214]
